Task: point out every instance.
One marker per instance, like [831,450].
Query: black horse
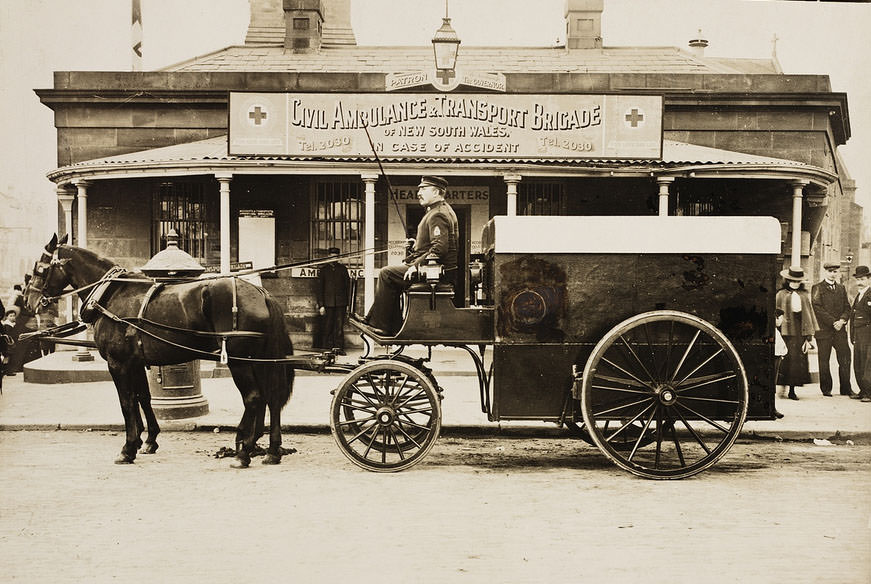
[138,322]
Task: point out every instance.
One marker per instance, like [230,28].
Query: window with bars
[540,198]
[184,206]
[337,219]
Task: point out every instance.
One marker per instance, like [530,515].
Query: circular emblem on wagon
[528,307]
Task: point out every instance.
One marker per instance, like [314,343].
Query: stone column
[65,197]
[224,179]
[664,182]
[82,199]
[369,241]
[797,195]
[82,355]
[511,181]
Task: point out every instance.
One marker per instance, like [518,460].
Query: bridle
[42,273]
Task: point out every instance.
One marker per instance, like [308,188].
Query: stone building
[262,154]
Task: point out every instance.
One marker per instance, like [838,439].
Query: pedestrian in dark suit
[333,289]
[799,326]
[436,236]
[860,333]
[832,309]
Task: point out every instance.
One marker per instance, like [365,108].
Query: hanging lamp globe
[446,45]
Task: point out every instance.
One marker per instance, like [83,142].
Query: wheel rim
[386,416]
[664,395]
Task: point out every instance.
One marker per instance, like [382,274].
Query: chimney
[337,23]
[584,24]
[303,25]
[697,45]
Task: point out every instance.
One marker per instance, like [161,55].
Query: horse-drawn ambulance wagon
[648,335]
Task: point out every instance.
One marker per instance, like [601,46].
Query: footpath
[86,399]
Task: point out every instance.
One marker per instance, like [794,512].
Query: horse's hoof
[239,463]
[124,459]
[149,448]
[271,459]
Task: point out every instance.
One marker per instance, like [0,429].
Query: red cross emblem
[257,115]
[634,117]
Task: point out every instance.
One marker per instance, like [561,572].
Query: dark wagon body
[650,335]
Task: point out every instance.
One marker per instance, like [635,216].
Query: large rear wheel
[386,415]
[669,376]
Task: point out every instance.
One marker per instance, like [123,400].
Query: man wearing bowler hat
[437,236]
[832,309]
[860,333]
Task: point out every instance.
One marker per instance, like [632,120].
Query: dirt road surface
[475,510]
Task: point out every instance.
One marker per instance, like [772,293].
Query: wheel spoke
[407,436]
[632,352]
[705,362]
[396,442]
[725,377]
[614,365]
[356,421]
[623,389]
[641,435]
[614,409]
[703,417]
[677,447]
[658,436]
[685,354]
[711,399]
[692,431]
[400,389]
[627,424]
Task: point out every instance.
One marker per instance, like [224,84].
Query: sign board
[257,237]
[312,272]
[472,126]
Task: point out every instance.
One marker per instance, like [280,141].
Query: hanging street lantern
[446,45]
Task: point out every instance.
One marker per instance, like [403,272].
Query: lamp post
[445,46]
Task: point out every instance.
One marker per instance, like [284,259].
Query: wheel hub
[666,394]
[385,416]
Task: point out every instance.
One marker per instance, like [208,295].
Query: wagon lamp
[445,46]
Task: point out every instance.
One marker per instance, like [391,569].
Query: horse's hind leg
[143,394]
[246,433]
[279,382]
[121,375]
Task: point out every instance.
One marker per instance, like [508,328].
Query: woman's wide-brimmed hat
[793,273]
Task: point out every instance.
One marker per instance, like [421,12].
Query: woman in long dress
[799,326]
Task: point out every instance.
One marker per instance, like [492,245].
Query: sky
[38,37]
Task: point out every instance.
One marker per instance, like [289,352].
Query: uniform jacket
[437,234]
[830,304]
[334,285]
[791,326]
[860,320]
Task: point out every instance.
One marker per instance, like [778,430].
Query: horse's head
[48,278]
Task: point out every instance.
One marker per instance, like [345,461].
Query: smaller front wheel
[386,415]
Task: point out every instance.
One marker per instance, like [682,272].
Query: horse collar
[89,313]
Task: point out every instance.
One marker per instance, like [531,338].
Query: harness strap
[155,288]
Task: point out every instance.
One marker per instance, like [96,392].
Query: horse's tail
[284,346]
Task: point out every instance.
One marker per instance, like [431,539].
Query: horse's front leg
[127,396]
[140,381]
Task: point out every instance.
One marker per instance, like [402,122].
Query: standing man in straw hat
[436,235]
[832,309]
[860,333]
[799,326]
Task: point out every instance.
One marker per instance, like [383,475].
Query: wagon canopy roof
[210,156]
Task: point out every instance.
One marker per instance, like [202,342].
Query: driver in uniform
[437,236]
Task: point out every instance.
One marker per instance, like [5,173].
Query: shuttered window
[337,219]
[184,206]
